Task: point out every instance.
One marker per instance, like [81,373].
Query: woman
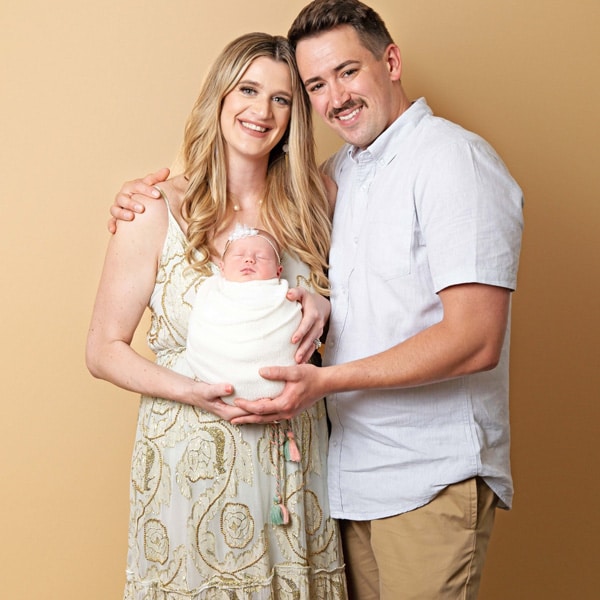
[206,495]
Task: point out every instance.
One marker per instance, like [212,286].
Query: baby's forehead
[255,241]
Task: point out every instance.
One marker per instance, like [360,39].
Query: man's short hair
[324,15]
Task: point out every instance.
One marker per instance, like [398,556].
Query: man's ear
[393,60]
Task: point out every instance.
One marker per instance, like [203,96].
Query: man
[424,256]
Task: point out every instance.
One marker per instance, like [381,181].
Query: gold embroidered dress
[202,489]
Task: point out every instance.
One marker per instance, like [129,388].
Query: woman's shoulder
[172,192]
[151,225]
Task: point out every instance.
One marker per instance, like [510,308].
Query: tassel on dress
[290,448]
[279,513]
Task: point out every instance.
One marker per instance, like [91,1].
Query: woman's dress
[202,489]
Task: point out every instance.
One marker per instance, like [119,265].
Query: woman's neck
[246,183]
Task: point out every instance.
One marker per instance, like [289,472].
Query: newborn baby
[241,319]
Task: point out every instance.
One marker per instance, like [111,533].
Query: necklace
[238,208]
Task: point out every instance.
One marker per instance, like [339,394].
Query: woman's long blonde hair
[294,208]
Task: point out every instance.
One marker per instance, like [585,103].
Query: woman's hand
[208,397]
[315,312]
[125,205]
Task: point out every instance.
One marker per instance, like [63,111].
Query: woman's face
[256,113]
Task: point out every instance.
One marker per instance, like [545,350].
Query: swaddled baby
[241,319]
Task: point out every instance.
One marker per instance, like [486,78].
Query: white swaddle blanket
[237,327]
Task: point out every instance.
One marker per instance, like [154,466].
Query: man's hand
[304,386]
[125,205]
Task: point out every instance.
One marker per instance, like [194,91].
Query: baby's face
[250,258]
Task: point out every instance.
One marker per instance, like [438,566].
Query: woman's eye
[282,100]
[248,91]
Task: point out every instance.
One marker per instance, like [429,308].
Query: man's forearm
[468,340]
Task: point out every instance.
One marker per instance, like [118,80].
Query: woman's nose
[262,107]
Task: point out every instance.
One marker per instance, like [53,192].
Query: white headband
[243,231]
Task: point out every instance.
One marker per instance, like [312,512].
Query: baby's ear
[221,265]
[279,270]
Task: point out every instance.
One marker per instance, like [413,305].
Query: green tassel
[276,513]
[286,450]
[279,513]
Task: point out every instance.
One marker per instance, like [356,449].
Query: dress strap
[164,196]
[174,225]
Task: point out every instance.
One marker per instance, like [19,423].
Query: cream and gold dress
[202,490]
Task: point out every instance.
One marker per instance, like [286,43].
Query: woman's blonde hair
[294,208]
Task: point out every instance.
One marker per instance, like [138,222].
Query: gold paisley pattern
[202,489]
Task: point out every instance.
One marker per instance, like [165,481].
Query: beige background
[93,93]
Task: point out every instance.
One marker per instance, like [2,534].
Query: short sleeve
[470,214]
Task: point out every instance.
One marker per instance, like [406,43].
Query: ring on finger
[317,342]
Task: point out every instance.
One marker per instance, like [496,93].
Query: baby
[241,319]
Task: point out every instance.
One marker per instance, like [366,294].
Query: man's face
[349,88]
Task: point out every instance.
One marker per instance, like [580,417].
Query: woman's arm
[315,313]
[315,308]
[126,284]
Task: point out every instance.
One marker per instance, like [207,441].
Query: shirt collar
[384,148]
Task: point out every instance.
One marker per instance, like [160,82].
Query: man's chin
[350,137]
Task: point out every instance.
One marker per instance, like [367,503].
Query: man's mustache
[350,105]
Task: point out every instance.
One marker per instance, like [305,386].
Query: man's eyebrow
[337,69]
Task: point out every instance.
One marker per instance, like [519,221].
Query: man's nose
[338,94]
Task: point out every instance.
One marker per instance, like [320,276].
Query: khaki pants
[435,552]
